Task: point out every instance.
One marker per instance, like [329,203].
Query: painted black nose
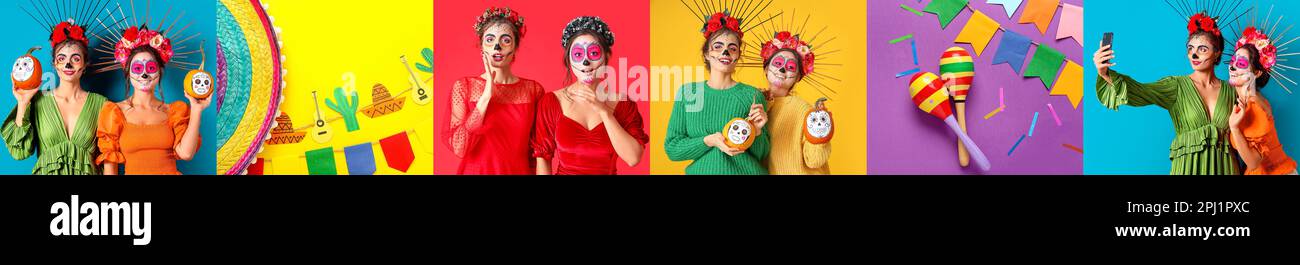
[498,47]
[782,70]
[145,76]
[68,65]
[726,53]
[586,62]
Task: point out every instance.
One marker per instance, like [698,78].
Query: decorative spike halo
[72,19]
[748,14]
[797,27]
[1269,32]
[118,22]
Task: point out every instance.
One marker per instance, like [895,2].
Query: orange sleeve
[178,115]
[108,134]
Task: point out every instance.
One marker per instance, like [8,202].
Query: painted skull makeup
[145,68]
[819,124]
[585,53]
[201,83]
[24,68]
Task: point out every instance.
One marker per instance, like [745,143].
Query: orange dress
[145,149]
[1258,128]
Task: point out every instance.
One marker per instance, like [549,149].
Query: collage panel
[967,87]
[1199,89]
[110,87]
[569,96]
[714,61]
[344,89]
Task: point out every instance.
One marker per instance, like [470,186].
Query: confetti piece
[1013,147]
[914,61]
[1075,148]
[1053,109]
[1002,103]
[994,112]
[907,73]
[1032,125]
[900,39]
[913,10]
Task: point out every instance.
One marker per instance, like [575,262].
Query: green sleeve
[678,144]
[1126,91]
[21,140]
[763,145]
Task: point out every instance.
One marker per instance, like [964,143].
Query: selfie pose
[1254,134]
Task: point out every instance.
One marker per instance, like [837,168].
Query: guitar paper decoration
[928,95]
[422,96]
[320,131]
[346,106]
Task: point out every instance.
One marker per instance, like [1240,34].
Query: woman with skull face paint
[694,131]
[487,110]
[1198,104]
[1253,132]
[58,126]
[141,132]
[583,129]
[786,60]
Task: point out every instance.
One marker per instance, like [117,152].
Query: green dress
[57,153]
[1200,147]
[692,120]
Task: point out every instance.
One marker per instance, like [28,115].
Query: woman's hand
[24,97]
[716,140]
[490,77]
[197,105]
[588,97]
[1104,54]
[758,117]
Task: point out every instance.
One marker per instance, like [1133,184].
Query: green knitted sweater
[699,111]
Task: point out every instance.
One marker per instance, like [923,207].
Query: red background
[455,46]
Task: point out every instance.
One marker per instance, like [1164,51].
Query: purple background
[905,140]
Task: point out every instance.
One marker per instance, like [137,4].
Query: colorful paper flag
[360,159]
[978,31]
[397,151]
[1070,84]
[1009,5]
[321,162]
[1012,50]
[946,10]
[1071,23]
[256,169]
[1040,13]
[1045,65]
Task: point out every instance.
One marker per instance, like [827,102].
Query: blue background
[1150,43]
[23,32]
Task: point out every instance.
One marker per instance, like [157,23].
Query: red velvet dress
[496,142]
[575,150]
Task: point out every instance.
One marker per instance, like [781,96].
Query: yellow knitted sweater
[791,154]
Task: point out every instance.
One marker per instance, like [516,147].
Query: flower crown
[720,21]
[501,12]
[784,40]
[139,37]
[1202,22]
[1256,38]
[68,30]
[584,23]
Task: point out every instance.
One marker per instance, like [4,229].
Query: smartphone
[1106,41]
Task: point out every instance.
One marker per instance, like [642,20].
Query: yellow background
[675,39]
[322,41]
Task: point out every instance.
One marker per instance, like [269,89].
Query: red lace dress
[575,150]
[495,142]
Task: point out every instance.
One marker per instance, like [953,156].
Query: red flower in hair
[1267,51]
[1202,22]
[785,40]
[134,38]
[67,31]
[721,20]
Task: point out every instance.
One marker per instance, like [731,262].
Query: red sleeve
[629,116]
[548,111]
[464,122]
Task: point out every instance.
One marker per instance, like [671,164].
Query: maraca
[958,70]
[928,94]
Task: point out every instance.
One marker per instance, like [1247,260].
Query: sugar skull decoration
[928,95]
[27,71]
[818,127]
[740,133]
[198,83]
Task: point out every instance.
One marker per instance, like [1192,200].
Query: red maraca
[928,94]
